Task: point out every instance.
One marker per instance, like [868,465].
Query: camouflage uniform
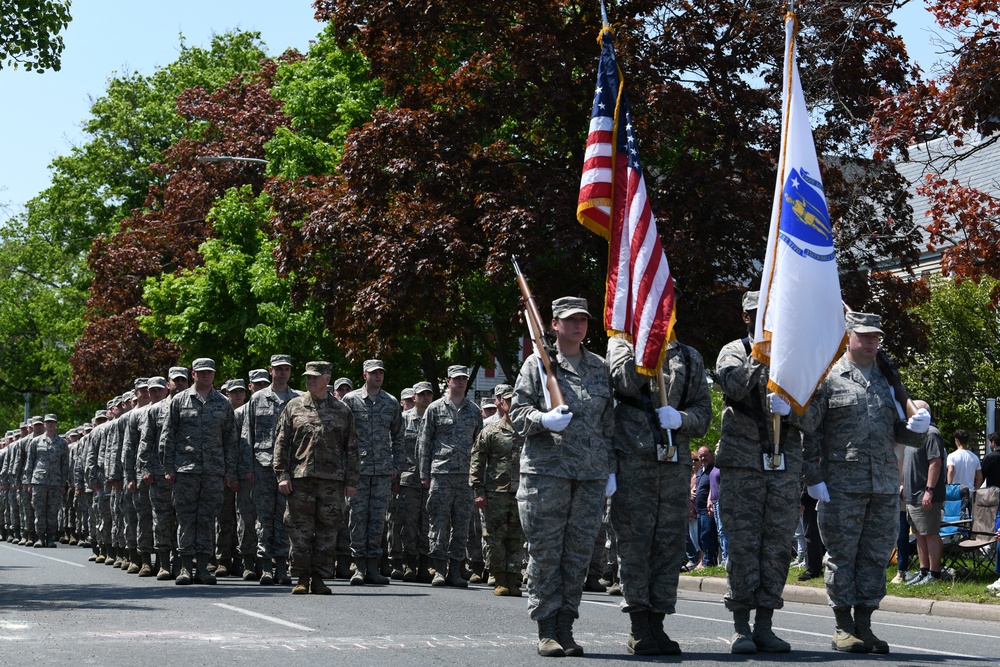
[561,491]
[411,507]
[494,474]
[149,458]
[759,509]
[316,447]
[445,445]
[379,424]
[199,443]
[141,494]
[851,449]
[95,473]
[47,470]
[246,512]
[26,514]
[259,426]
[649,511]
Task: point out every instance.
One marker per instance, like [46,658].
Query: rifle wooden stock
[536,329]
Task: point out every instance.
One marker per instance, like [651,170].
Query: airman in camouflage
[155,390]
[494,475]
[317,463]
[259,427]
[760,507]
[444,444]
[379,423]
[851,467]
[565,464]
[411,507]
[199,443]
[47,473]
[24,497]
[649,512]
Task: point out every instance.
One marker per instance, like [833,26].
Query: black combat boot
[281,571]
[863,631]
[667,645]
[454,578]
[373,575]
[202,575]
[564,632]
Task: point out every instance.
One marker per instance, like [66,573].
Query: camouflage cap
[203,364]
[259,375]
[317,368]
[750,300]
[179,372]
[140,383]
[339,382]
[157,382]
[406,393]
[864,323]
[373,365]
[225,387]
[51,418]
[23,425]
[487,404]
[281,360]
[569,305]
[508,393]
[457,371]
[36,419]
[237,385]
[128,395]
[100,414]
[500,389]
[421,387]
[113,402]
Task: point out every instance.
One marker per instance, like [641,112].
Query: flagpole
[604,15]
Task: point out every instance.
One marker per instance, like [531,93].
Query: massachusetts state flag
[799,331]
[639,301]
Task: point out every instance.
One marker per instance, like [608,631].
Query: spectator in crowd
[991,462]
[963,465]
[706,524]
[924,496]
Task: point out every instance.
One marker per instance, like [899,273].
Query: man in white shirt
[963,466]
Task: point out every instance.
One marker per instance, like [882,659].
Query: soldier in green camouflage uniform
[494,477]
[47,472]
[649,513]
[565,464]
[199,443]
[155,390]
[379,422]
[759,508]
[317,463]
[851,467]
[449,429]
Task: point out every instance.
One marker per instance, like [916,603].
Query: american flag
[639,301]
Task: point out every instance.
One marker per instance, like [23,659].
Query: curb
[810,595]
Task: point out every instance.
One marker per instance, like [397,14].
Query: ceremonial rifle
[536,329]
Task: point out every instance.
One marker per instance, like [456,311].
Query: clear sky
[41,114]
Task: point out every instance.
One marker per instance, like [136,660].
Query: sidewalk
[806,594]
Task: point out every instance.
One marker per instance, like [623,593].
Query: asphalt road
[56,608]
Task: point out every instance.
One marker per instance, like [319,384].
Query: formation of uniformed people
[185,482]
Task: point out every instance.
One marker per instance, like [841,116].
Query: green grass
[972,589]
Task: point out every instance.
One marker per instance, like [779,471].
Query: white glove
[670,419]
[557,418]
[819,492]
[611,486]
[778,405]
[920,422]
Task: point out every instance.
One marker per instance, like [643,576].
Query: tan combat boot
[548,645]
[863,631]
[640,640]
[500,585]
[764,637]
[844,638]
[302,585]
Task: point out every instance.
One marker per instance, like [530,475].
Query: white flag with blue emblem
[799,330]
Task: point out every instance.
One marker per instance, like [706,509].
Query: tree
[234,304]
[481,157]
[40,316]
[959,103]
[961,367]
[236,119]
[29,34]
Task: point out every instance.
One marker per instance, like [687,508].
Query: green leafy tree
[234,304]
[961,367]
[29,33]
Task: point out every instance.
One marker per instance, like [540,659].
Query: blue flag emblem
[804,215]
